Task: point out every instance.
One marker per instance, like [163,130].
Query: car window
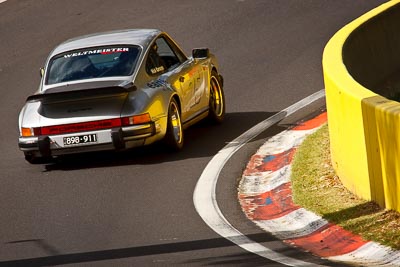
[163,56]
[155,64]
[92,63]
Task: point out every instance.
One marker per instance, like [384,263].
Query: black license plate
[80,139]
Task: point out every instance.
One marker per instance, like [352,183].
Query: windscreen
[90,63]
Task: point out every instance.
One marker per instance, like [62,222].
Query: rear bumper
[108,139]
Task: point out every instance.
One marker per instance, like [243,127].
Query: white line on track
[2,1]
[204,196]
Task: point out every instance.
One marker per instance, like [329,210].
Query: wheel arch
[178,101]
[219,76]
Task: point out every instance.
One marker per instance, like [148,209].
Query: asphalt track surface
[136,208]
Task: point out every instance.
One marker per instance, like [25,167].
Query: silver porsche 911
[118,90]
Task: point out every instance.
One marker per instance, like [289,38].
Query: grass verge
[317,188]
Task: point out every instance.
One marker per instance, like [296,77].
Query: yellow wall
[364,127]
[384,124]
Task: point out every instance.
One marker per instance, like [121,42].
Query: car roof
[141,37]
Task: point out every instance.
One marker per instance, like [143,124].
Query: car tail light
[28,132]
[86,126]
[81,127]
[137,119]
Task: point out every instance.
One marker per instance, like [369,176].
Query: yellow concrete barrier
[364,126]
[382,117]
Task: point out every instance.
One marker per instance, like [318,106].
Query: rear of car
[81,120]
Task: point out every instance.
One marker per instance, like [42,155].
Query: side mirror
[41,72]
[199,53]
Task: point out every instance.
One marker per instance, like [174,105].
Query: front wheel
[217,100]
[174,135]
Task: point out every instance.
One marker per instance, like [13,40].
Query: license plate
[80,139]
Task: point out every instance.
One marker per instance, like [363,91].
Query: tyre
[217,99]
[174,135]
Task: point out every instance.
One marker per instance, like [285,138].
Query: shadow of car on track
[201,140]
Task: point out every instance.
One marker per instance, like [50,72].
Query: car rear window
[94,62]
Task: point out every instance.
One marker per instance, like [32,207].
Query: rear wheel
[174,135]
[217,99]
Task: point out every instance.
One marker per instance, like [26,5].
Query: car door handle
[181,79]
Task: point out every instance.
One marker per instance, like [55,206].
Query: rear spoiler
[82,93]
